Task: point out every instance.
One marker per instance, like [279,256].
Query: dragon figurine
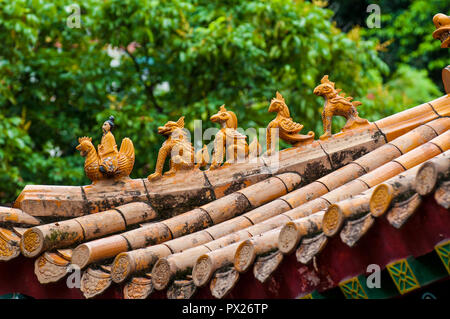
[337,104]
[179,148]
[288,129]
[108,162]
[228,140]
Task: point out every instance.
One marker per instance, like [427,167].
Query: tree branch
[148,89]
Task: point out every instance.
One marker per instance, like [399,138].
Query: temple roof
[206,228]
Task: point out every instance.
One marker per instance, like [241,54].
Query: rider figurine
[107,150]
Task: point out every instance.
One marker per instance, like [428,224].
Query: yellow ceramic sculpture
[288,129]
[108,162]
[177,146]
[337,104]
[442,32]
[228,140]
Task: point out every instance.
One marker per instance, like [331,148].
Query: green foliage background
[57,83]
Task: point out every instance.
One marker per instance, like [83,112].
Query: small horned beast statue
[337,104]
[177,146]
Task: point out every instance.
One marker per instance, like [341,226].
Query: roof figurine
[337,104]
[442,32]
[107,150]
[288,129]
[108,162]
[254,149]
[228,140]
[179,148]
[202,157]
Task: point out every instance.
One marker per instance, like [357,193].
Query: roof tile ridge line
[146,192]
[243,215]
[289,217]
[85,200]
[204,245]
[394,160]
[123,217]
[284,214]
[401,153]
[429,142]
[168,228]
[206,231]
[285,186]
[285,172]
[426,124]
[381,132]
[404,168]
[249,233]
[442,151]
[164,244]
[210,186]
[317,181]
[251,206]
[184,250]
[362,167]
[207,214]
[81,226]
[431,105]
[243,229]
[215,239]
[368,186]
[130,248]
[327,199]
[281,198]
[328,155]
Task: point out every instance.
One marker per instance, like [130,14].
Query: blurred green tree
[405,33]
[148,61]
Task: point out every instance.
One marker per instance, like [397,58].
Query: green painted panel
[443,251]
[13,296]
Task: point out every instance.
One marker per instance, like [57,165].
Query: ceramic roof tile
[393,127]
[9,245]
[441,195]
[138,288]
[358,211]
[65,233]
[17,217]
[158,268]
[50,267]
[241,215]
